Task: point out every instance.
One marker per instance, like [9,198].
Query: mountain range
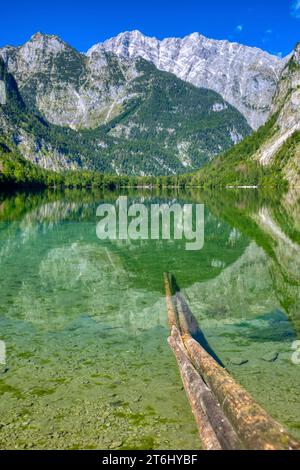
[244,76]
[272,153]
[129,117]
[139,106]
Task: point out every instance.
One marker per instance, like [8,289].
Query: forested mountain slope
[65,110]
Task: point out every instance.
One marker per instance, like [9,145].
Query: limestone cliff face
[27,131]
[69,88]
[246,77]
[85,91]
[2,92]
[81,90]
[112,114]
[287,97]
[286,107]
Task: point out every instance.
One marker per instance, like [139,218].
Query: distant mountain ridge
[244,76]
[112,114]
[139,106]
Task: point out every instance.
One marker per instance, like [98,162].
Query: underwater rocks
[238,361]
[271,357]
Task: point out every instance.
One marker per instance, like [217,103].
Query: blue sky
[273,25]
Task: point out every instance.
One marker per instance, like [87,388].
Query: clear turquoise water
[84,320]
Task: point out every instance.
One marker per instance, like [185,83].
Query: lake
[84,320]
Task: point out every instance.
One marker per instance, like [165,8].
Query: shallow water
[85,328]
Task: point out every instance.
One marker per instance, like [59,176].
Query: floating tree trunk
[194,388]
[219,404]
[215,430]
[172,316]
[187,321]
[255,427]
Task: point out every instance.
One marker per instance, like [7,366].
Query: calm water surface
[85,327]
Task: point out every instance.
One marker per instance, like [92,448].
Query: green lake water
[85,328]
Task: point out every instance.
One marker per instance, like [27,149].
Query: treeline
[234,168]
[17,171]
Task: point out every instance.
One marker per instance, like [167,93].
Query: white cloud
[296,8]
[240,27]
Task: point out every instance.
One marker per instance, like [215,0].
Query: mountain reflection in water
[85,320]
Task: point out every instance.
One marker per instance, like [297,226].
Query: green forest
[234,168]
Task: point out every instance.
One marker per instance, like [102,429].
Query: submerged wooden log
[172,315]
[187,322]
[254,426]
[215,430]
[194,387]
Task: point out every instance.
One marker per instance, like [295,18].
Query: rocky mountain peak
[40,36]
[246,77]
[195,36]
[297,53]
[130,35]
[34,55]
[138,120]
[47,42]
